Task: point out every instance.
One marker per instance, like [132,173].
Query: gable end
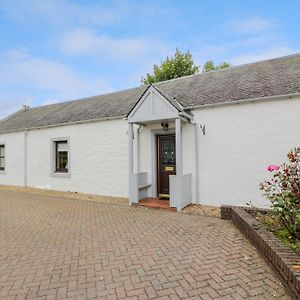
[152,106]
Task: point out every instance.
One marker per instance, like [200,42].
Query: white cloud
[23,75]
[18,67]
[252,25]
[248,48]
[63,13]
[262,55]
[138,49]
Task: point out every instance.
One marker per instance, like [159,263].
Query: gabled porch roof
[154,106]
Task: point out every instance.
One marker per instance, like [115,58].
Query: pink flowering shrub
[272,168]
[283,190]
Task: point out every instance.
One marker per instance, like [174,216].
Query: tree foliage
[210,66]
[181,64]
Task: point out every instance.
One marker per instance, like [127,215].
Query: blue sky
[58,50]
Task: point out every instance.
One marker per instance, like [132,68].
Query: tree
[210,66]
[181,64]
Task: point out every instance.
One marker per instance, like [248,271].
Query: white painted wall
[98,155]
[240,141]
[14,162]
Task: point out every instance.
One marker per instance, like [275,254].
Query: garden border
[281,258]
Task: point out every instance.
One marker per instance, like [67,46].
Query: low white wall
[189,155]
[241,141]
[180,191]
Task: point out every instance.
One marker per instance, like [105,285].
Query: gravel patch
[203,210]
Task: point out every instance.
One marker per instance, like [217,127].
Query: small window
[61,156]
[2,157]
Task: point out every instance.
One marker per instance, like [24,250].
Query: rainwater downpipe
[196,127]
[25,157]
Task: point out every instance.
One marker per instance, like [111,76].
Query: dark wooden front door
[166,163]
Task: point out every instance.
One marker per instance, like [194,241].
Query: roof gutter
[185,115]
[64,124]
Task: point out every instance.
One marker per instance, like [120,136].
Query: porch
[165,178]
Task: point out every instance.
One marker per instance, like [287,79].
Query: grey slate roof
[279,76]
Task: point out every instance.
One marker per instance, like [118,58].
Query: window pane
[2,150]
[62,146]
[168,152]
[2,163]
[61,159]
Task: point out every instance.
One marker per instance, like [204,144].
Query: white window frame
[54,173]
[3,172]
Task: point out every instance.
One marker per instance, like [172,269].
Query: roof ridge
[239,83]
[156,84]
[252,63]
[229,68]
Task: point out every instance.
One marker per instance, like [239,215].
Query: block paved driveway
[57,248]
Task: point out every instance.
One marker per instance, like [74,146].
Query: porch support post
[130,160]
[130,148]
[197,162]
[179,170]
[138,149]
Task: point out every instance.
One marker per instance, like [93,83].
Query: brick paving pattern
[57,248]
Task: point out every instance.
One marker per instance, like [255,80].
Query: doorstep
[155,203]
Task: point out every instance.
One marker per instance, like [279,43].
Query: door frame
[154,158]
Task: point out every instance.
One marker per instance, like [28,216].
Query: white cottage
[205,138]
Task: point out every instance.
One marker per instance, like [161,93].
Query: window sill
[61,174]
